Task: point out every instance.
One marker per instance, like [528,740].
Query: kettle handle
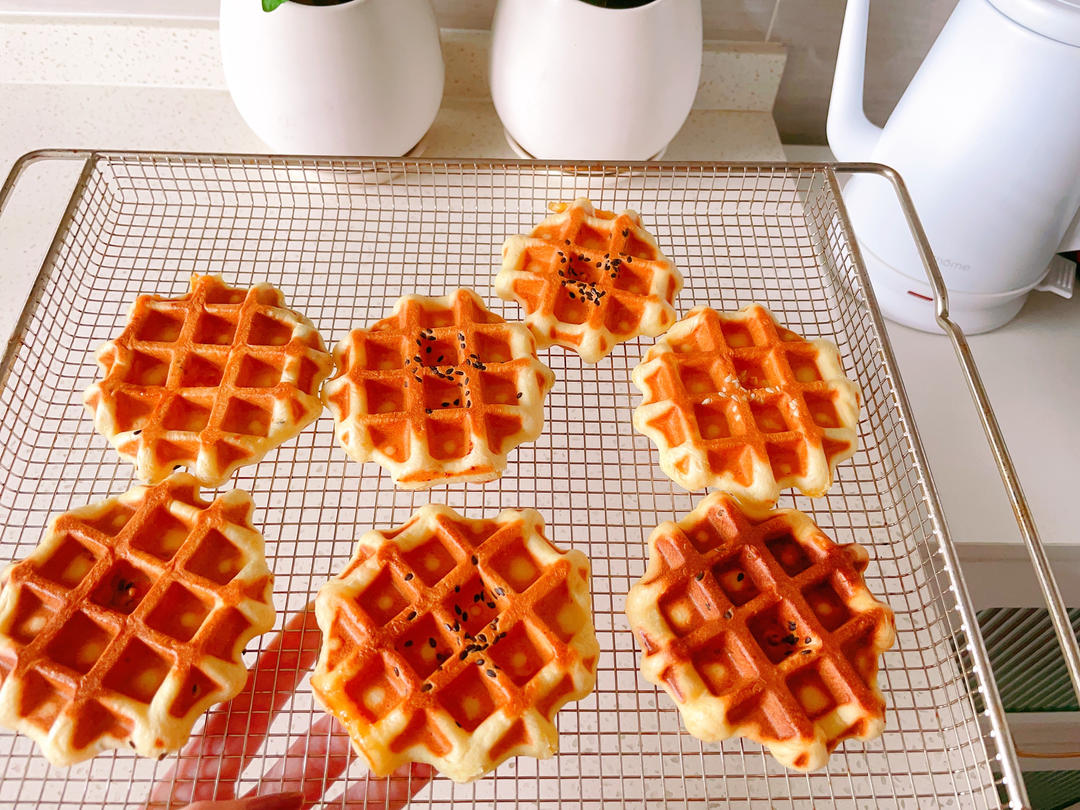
[851,134]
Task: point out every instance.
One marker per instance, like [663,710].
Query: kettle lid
[1055,19]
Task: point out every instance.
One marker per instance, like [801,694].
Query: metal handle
[1070,648]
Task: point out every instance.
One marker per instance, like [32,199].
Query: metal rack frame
[324,229]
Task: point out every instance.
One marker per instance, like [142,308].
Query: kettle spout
[852,136]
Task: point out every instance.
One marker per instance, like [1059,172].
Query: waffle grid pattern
[214,380]
[127,622]
[440,391]
[344,240]
[454,641]
[737,402]
[758,625]
[589,280]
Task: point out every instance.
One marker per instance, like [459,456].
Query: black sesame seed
[408,576]
[476,597]
[490,673]
[464,655]
[808,640]
[807,652]
[499,592]
[700,576]
[464,617]
[740,577]
[427,687]
[475,560]
[457,589]
[411,616]
[431,642]
[457,608]
[446,404]
[491,605]
[397,672]
[457,401]
[519,395]
[408,643]
[728,614]
[791,625]
[137,432]
[428,410]
[789,638]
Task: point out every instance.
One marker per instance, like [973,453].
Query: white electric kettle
[987,138]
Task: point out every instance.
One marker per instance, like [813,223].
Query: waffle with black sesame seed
[440,391]
[128,620]
[214,379]
[737,402]
[758,625]
[589,279]
[454,642]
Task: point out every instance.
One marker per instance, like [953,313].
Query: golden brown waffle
[438,392]
[212,380]
[737,402]
[128,620]
[589,279]
[758,625]
[454,642]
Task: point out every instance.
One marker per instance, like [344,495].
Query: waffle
[438,392]
[212,380]
[454,642]
[128,620]
[589,280]
[758,625]
[736,402]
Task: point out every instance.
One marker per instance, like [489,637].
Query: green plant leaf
[270,5]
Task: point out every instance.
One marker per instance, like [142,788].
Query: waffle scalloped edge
[178,387]
[403,701]
[537,283]
[99,580]
[687,462]
[719,646]
[415,443]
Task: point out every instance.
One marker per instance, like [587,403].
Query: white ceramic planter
[576,81]
[359,78]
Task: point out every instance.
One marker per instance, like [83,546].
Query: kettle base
[908,302]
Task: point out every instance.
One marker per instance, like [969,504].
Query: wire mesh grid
[343,239]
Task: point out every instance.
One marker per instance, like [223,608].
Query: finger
[272,801]
[392,792]
[313,762]
[210,763]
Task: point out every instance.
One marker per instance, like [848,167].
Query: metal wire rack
[343,239]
